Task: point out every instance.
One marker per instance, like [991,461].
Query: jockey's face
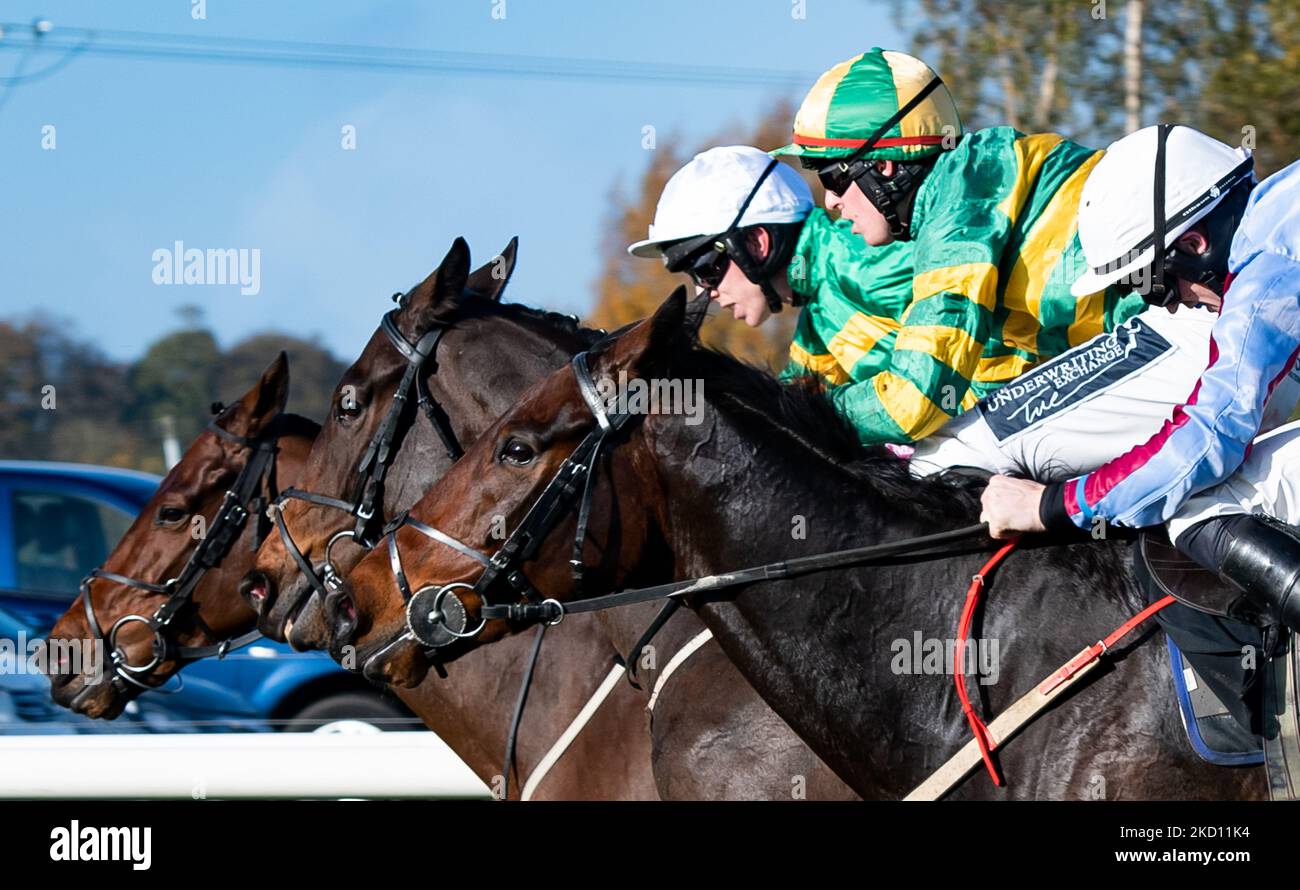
[1193,294]
[741,297]
[737,294]
[853,205]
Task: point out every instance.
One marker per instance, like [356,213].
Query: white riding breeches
[1267,482]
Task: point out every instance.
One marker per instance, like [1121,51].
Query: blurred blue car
[58,521]
[26,707]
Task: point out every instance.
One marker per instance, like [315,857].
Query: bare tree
[1134,11]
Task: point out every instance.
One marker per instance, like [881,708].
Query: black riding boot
[1263,562]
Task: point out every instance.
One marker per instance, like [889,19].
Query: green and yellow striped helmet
[856,97]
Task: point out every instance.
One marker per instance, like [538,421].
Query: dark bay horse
[679,499]
[488,353]
[163,539]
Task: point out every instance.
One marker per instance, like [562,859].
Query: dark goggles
[837,176]
[706,265]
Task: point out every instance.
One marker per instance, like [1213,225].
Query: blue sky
[229,156]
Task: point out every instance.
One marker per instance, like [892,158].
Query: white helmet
[1117,209]
[705,196]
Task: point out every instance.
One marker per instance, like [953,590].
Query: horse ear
[490,280]
[643,347]
[453,272]
[259,406]
[442,285]
[697,310]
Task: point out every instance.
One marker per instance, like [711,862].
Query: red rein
[977,726]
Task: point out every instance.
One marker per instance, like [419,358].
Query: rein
[243,499]
[917,547]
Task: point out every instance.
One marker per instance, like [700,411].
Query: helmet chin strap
[893,196]
[781,244]
[774,301]
[732,241]
[1159,293]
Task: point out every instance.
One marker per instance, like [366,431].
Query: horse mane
[799,412]
[567,323]
[466,307]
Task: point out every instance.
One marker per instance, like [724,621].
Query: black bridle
[379,454]
[247,497]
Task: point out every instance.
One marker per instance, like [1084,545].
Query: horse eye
[517,452]
[348,408]
[170,514]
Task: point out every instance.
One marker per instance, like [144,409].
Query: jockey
[1204,471]
[990,217]
[744,227]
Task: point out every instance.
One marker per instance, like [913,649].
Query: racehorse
[452,347]
[595,499]
[161,598]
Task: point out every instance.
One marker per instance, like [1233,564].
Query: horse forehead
[559,402]
[198,469]
[377,361]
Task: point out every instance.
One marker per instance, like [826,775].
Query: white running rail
[234,765]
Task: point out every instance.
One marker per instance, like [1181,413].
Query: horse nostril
[342,614]
[61,672]
[255,589]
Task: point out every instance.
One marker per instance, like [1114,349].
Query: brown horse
[164,539]
[714,493]
[487,355]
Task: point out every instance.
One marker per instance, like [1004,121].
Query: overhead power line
[287,53]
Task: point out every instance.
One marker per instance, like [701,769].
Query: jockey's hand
[1011,506]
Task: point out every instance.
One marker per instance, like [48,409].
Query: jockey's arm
[927,382]
[945,328]
[1256,340]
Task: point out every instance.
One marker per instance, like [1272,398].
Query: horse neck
[762,499]
[722,482]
